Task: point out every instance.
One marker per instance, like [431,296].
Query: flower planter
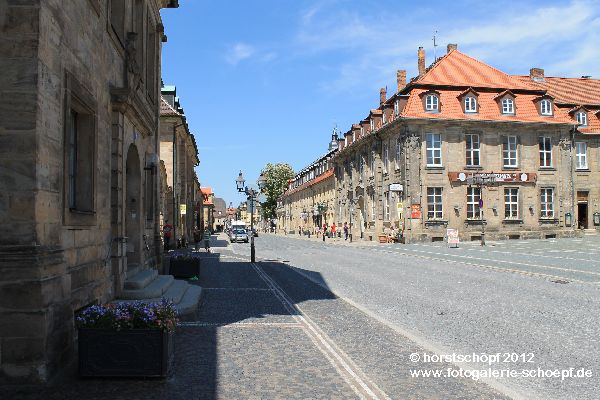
[184,267]
[127,353]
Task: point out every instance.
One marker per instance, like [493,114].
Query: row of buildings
[96,157]
[461,146]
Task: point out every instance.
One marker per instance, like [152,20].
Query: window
[547,203]
[151,43]
[371,164]
[353,136]
[362,131]
[373,205]
[345,141]
[545,151]
[511,203]
[372,122]
[397,158]
[546,107]
[386,157]
[581,118]
[472,142]
[396,108]
[434,203]
[434,149]
[80,151]
[473,196]
[117,19]
[431,102]
[361,166]
[383,118]
[470,104]
[508,106]
[581,155]
[386,206]
[509,151]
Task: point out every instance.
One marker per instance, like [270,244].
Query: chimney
[421,60]
[382,96]
[451,46]
[401,79]
[536,74]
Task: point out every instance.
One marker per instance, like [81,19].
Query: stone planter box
[129,353]
[185,268]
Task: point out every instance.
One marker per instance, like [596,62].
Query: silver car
[239,235]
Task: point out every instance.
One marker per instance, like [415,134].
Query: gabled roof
[458,69]
[166,110]
[570,90]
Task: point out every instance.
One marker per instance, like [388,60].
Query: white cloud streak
[239,52]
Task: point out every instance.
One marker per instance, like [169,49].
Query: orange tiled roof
[166,109]
[320,178]
[458,69]
[206,190]
[575,91]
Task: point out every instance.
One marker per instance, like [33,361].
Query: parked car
[238,235]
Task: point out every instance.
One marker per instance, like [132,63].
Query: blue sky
[266,80]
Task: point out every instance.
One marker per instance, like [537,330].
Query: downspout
[573,131]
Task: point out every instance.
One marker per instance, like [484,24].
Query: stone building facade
[78,162]
[468,147]
[179,152]
[309,200]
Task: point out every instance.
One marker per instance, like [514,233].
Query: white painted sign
[396,187]
[452,235]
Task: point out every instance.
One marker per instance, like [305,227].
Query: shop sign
[497,177]
[396,187]
[452,235]
[182,209]
[415,211]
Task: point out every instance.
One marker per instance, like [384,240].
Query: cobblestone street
[264,331]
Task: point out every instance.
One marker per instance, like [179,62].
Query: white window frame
[383,118]
[508,106]
[372,124]
[581,155]
[546,107]
[510,155]
[386,158]
[545,146]
[511,203]
[396,107]
[373,205]
[371,164]
[362,131]
[434,203]
[386,206]
[398,148]
[434,149]
[547,203]
[470,104]
[581,118]
[473,196]
[432,102]
[472,151]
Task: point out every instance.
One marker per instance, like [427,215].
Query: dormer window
[396,108]
[508,106]
[432,103]
[362,131]
[372,122]
[581,118]
[470,104]
[383,118]
[546,107]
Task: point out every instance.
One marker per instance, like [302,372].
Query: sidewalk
[337,241]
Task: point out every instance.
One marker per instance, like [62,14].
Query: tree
[276,181]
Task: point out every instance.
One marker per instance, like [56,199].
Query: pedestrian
[207,240]
[324,231]
[333,230]
[345,231]
[167,230]
[197,238]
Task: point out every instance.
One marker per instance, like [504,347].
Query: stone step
[133,270]
[156,288]
[190,300]
[141,279]
[589,232]
[174,293]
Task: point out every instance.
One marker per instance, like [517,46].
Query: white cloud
[366,48]
[239,52]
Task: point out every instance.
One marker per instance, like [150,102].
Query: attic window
[396,108]
[432,103]
[508,106]
[581,118]
[546,107]
[372,122]
[470,104]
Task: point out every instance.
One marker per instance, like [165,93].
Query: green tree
[276,181]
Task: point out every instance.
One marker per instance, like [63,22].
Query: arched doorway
[133,211]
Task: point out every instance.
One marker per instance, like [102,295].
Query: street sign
[396,187]
[182,209]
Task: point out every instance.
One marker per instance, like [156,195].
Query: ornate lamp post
[252,195]
[322,208]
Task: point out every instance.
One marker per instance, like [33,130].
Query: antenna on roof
[434,46]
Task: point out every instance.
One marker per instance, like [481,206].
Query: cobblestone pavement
[472,300]
[265,331]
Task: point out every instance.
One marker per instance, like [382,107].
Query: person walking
[345,231]
[197,238]
[333,230]
[207,240]
[324,231]
[167,230]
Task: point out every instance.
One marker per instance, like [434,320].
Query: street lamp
[322,208]
[252,195]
